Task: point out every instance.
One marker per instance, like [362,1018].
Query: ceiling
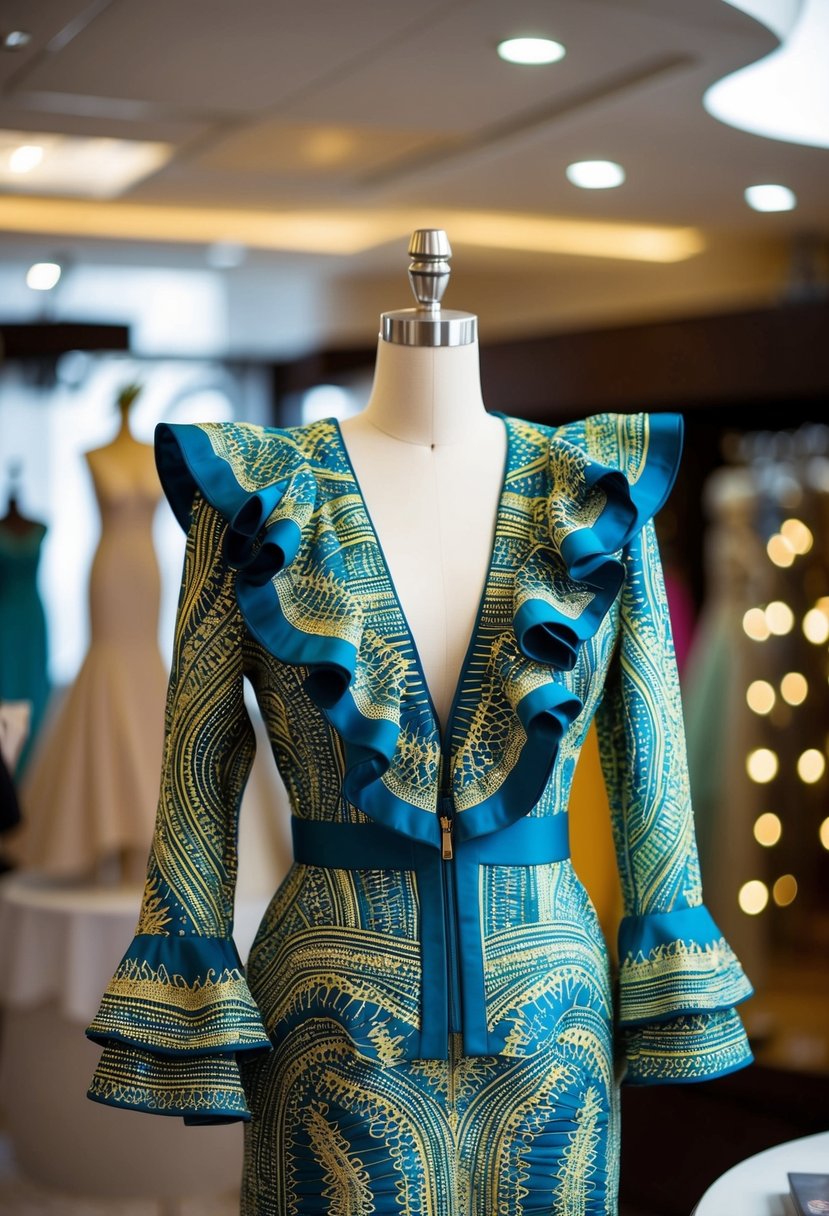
[320,133]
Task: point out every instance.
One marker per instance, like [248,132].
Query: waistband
[367,846]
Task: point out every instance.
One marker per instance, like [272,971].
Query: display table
[759,1186]
[59,946]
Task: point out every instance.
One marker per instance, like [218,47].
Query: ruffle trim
[293,593]
[574,572]
[294,596]
[180,997]
[698,1047]
[566,584]
[676,963]
[207,1089]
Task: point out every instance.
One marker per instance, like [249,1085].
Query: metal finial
[429,271]
[429,324]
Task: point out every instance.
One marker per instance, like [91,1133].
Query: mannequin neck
[426,395]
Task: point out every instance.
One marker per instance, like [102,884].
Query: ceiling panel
[449,75]
[245,56]
[44,20]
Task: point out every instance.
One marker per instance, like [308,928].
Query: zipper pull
[446,837]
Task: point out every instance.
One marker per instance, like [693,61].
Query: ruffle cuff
[203,1089]
[673,963]
[698,1047]
[180,997]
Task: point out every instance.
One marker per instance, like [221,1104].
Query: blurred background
[204,208]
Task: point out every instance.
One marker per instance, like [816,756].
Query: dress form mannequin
[123,462]
[91,791]
[430,462]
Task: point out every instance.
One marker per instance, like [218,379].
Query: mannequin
[426,1019]
[430,462]
[123,463]
[90,794]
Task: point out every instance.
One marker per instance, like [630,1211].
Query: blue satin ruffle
[676,963]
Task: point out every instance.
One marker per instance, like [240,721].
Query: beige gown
[91,790]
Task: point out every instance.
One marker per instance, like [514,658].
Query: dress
[418,1032]
[23,648]
[91,788]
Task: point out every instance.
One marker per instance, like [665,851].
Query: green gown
[427,1022]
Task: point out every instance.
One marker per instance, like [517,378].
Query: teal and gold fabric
[427,1022]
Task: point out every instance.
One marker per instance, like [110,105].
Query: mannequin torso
[430,461]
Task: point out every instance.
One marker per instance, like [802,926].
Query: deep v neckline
[444,731]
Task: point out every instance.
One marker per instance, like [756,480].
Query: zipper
[450,908]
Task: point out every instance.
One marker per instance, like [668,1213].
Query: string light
[755,625]
[784,890]
[753,896]
[794,688]
[780,550]
[823,834]
[811,766]
[760,696]
[768,829]
[797,534]
[762,765]
[779,618]
[816,626]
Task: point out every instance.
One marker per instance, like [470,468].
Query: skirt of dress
[334,1132]
[343,1124]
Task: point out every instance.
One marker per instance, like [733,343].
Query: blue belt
[369,846]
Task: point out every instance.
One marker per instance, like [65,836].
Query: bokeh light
[753,896]
[756,625]
[811,766]
[797,534]
[762,765]
[768,829]
[794,688]
[784,890]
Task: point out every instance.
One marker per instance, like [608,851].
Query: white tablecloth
[61,944]
[758,1186]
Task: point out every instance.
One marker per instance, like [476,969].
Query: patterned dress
[427,1022]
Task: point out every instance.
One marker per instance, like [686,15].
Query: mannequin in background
[90,796]
[23,643]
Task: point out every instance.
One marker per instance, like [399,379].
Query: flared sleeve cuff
[200,1089]
[697,1047]
[172,1021]
[673,963]
[181,997]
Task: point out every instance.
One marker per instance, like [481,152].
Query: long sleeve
[178,1009]
[678,978]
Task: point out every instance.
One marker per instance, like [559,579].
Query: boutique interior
[204,211]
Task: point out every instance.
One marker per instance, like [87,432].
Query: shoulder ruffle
[297,597]
[257,479]
[602,480]
[608,476]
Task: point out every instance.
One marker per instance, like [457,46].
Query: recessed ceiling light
[771,198]
[25,158]
[595,174]
[71,164]
[43,276]
[15,40]
[531,51]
